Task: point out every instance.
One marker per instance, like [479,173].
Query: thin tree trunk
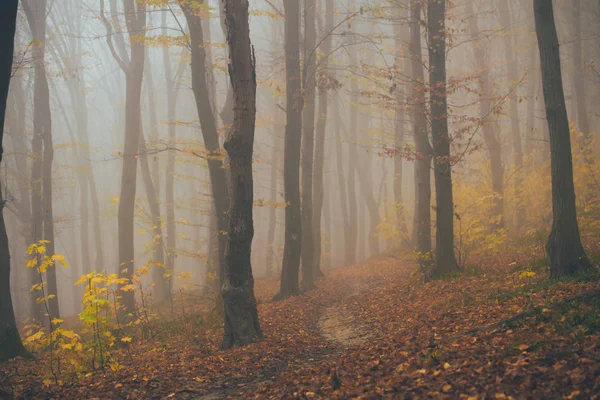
[308,142]
[515,127]
[492,143]
[162,284]
[10,340]
[321,133]
[422,211]
[400,31]
[445,260]
[241,316]
[564,249]
[43,218]
[583,122]
[272,210]
[291,165]
[218,177]
[348,247]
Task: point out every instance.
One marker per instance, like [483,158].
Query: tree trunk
[564,249]
[422,212]
[291,165]
[348,247]
[241,316]
[43,218]
[10,340]
[445,260]
[208,124]
[583,122]
[485,113]
[272,210]
[162,284]
[134,72]
[308,142]
[515,127]
[321,133]
[400,31]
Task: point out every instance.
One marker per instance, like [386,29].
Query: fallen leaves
[555,353]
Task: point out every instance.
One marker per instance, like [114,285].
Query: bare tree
[485,110]
[208,123]
[132,65]
[422,212]
[564,249]
[320,135]
[10,340]
[42,213]
[308,142]
[291,164]
[445,259]
[241,316]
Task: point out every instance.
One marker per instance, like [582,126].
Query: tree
[515,127]
[291,163]
[320,134]
[10,340]
[422,214]
[445,259]
[308,142]
[241,316]
[489,136]
[565,252]
[42,213]
[133,67]
[208,123]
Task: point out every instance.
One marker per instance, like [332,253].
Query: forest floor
[371,330]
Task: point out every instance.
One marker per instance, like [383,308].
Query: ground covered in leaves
[372,330]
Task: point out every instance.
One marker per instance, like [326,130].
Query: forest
[299,199]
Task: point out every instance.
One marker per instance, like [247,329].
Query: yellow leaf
[126,339]
[446,388]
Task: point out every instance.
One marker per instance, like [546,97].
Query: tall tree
[208,124]
[320,134]
[241,316]
[308,141]
[583,122]
[132,65]
[422,212]
[10,340]
[445,259]
[515,126]
[42,215]
[489,136]
[291,162]
[400,32]
[564,249]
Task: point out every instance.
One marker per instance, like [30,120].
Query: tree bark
[583,122]
[162,286]
[565,252]
[400,31]
[241,316]
[308,142]
[291,165]
[489,136]
[43,217]
[208,124]
[445,259]
[10,340]
[321,133]
[515,127]
[135,16]
[422,212]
